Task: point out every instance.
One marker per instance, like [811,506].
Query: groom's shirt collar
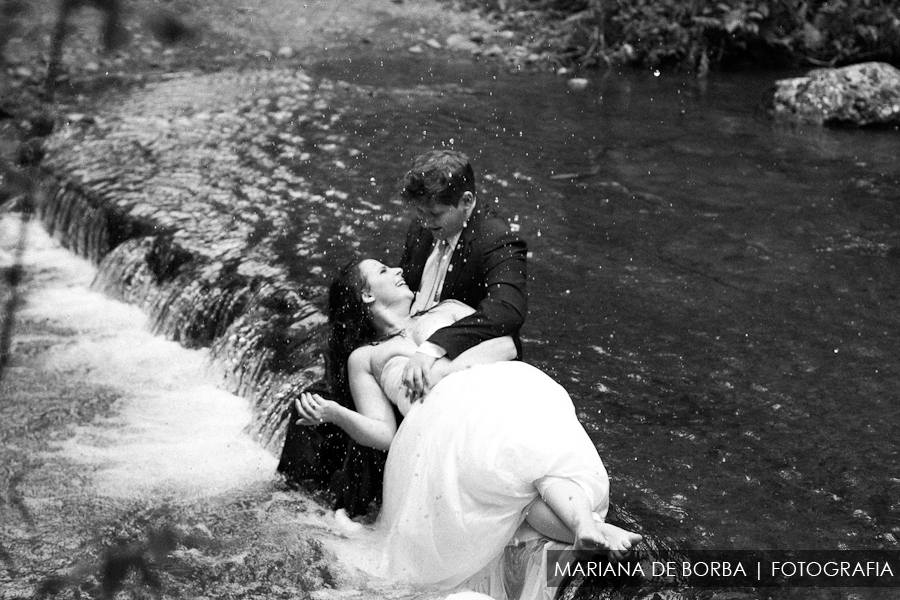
[433,279]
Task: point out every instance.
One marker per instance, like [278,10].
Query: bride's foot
[602,538]
[621,541]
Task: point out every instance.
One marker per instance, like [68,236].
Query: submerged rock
[458,41]
[578,83]
[863,95]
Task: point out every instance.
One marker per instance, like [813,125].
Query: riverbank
[158,39]
[699,36]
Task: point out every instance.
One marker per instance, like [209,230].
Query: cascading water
[172,430]
[714,290]
[172,212]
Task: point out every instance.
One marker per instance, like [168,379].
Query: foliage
[11,12]
[699,34]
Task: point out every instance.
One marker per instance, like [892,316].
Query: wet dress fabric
[468,461]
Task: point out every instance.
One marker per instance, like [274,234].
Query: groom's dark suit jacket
[487,271]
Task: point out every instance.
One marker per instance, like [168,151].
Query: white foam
[173,430]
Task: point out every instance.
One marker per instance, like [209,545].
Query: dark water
[718,292]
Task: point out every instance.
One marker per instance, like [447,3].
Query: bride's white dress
[468,461]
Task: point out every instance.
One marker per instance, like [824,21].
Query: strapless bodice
[392,383]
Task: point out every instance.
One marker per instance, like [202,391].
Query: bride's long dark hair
[352,326]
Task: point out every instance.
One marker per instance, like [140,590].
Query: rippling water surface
[718,292]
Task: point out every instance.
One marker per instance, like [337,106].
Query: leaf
[733,20]
[579,16]
[812,37]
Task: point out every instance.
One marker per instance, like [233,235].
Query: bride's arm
[372,423]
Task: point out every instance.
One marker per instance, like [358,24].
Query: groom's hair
[440,176]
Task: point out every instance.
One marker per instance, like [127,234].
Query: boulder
[862,95]
[458,41]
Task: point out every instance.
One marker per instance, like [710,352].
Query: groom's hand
[417,375]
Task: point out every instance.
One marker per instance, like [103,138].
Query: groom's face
[445,220]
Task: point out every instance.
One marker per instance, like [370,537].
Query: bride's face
[384,284]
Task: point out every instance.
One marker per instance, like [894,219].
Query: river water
[717,291]
[174,433]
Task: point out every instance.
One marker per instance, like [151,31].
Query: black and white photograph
[449,299]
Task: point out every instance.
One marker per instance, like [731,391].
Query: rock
[285,52]
[168,28]
[433,43]
[864,95]
[30,153]
[39,124]
[458,41]
[417,49]
[23,72]
[577,83]
[79,118]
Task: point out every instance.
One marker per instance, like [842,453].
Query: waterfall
[264,333]
[180,196]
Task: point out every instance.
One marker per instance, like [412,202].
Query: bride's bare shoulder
[361,358]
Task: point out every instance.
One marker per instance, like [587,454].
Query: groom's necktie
[433,277]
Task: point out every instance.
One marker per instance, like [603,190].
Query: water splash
[174,431]
[184,218]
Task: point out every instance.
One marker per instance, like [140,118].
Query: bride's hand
[313,409]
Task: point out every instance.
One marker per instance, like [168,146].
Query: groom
[456,248]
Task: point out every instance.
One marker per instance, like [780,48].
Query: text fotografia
[716,568]
[743,568]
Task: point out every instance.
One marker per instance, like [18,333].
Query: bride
[493,443]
